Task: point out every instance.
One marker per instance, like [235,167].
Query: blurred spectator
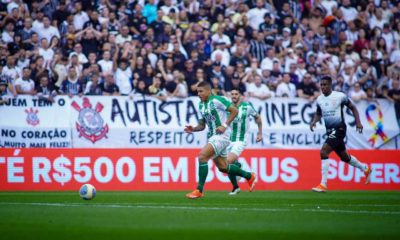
[150,11]
[45,90]
[77,51]
[307,89]
[47,31]
[106,63]
[4,96]
[217,72]
[10,69]
[235,83]
[46,52]
[221,54]
[25,85]
[123,76]
[141,87]
[216,87]
[286,88]
[123,36]
[8,32]
[27,30]
[89,40]
[370,94]
[348,75]
[339,85]
[71,86]
[256,15]
[59,69]
[258,47]
[357,93]
[181,90]
[394,94]
[190,74]
[257,89]
[349,12]
[329,6]
[80,16]
[156,90]
[93,86]
[108,86]
[60,14]
[366,75]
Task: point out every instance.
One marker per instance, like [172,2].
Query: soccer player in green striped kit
[217,113]
[240,128]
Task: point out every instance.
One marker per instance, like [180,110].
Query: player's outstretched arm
[200,127]
[316,118]
[259,125]
[359,126]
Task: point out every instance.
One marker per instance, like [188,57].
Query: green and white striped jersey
[214,113]
[240,124]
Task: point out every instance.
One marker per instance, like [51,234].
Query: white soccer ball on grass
[87,191]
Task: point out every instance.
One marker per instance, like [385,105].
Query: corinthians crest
[90,124]
[32,117]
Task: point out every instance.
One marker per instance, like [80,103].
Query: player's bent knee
[203,158]
[345,159]
[230,161]
[324,155]
[223,169]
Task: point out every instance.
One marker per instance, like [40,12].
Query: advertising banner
[176,169]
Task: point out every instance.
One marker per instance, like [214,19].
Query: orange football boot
[252,181]
[368,175]
[195,194]
[320,188]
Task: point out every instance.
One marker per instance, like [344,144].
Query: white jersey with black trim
[331,109]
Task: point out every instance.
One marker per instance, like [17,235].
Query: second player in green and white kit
[217,113]
[240,132]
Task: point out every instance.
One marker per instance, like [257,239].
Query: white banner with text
[145,122]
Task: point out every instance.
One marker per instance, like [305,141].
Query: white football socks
[324,169]
[355,163]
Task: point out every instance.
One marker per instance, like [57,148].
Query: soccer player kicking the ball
[214,113]
[240,128]
[330,107]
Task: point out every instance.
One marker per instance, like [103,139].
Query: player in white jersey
[239,135]
[217,113]
[330,107]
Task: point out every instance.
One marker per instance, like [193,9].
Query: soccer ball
[87,192]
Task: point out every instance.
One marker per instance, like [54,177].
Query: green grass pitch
[169,215]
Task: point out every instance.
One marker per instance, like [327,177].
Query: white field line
[238,204]
[141,206]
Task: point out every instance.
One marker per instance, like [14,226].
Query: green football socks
[236,171]
[232,177]
[203,171]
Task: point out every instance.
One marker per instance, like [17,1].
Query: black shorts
[335,139]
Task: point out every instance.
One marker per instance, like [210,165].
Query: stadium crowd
[164,48]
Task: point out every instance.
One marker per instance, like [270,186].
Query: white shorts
[236,147]
[220,144]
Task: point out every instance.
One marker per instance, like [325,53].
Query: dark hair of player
[326,78]
[204,84]
[237,89]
